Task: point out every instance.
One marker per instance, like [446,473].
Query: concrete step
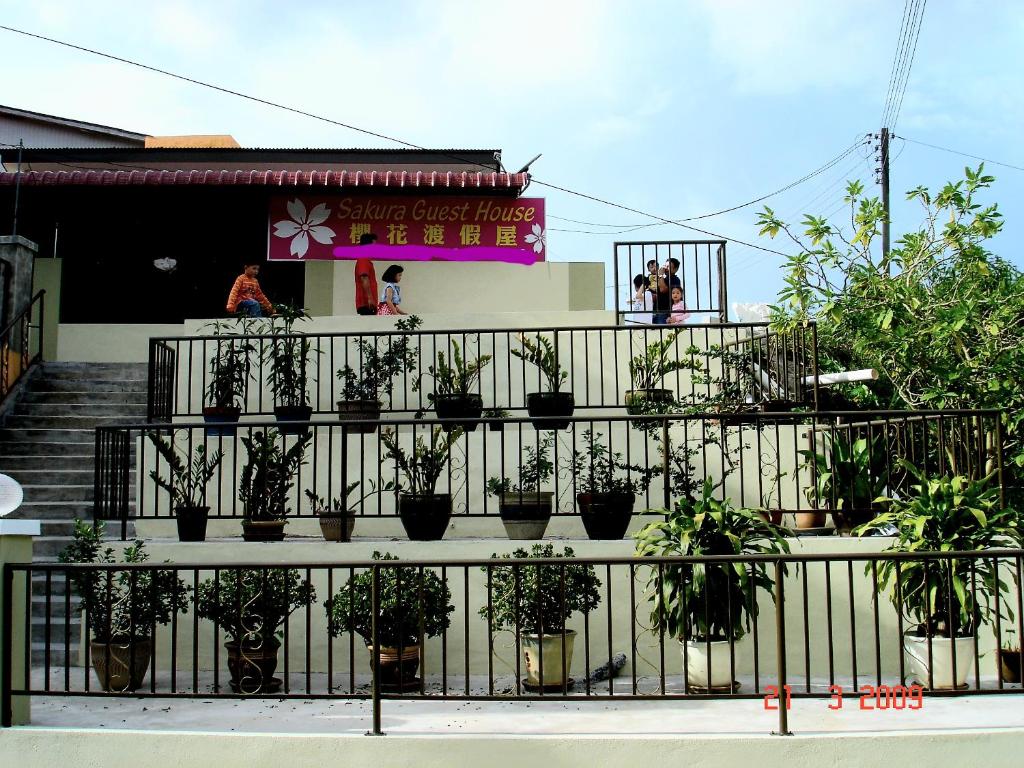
[81,398]
[58,527]
[95,370]
[56,510]
[63,384]
[44,448]
[124,410]
[52,476]
[49,545]
[19,421]
[56,630]
[57,605]
[29,435]
[59,658]
[10,464]
[73,493]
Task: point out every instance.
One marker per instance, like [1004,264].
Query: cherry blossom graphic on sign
[537,237]
[303,226]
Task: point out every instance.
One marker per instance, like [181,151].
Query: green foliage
[188,480]
[946,514]
[288,356]
[422,468]
[849,475]
[379,366]
[940,318]
[536,469]
[457,375]
[707,601]
[540,599]
[412,602]
[541,352]
[250,604]
[230,369]
[655,363]
[597,469]
[120,605]
[339,504]
[269,473]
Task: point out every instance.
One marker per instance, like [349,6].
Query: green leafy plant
[849,476]
[269,474]
[540,599]
[597,469]
[495,413]
[541,352]
[455,375]
[707,600]
[950,598]
[251,604]
[424,465]
[655,363]
[188,480]
[411,601]
[380,365]
[320,505]
[230,368]
[121,605]
[536,469]
[288,356]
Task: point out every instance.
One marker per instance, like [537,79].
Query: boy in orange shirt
[246,297]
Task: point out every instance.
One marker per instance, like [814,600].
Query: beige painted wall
[47,276]
[16,549]
[101,343]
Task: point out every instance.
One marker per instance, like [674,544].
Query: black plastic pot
[425,516]
[290,413]
[550,404]
[606,515]
[457,406]
[191,522]
[263,530]
[525,515]
[224,418]
[359,410]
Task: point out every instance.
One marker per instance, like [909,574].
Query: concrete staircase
[47,444]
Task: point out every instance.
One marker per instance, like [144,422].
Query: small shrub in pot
[266,480]
[186,485]
[541,352]
[455,380]
[424,512]
[524,508]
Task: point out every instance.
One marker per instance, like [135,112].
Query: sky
[672,108]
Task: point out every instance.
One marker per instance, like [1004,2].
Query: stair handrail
[22,320]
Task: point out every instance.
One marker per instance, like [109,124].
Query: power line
[893,69]
[903,60]
[351,127]
[965,154]
[910,65]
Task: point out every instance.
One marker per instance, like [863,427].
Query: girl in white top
[642,303]
[391,294]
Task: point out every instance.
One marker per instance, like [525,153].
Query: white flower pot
[698,661]
[551,648]
[916,664]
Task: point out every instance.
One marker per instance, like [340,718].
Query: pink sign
[305,227]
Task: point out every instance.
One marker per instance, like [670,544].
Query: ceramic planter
[397,671]
[252,666]
[1009,664]
[814,518]
[360,410]
[525,515]
[337,526]
[121,665]
[550,404]
[638,399]
[191,522]
[222,420]
[606,515]
[458,406]
[706,669]
[942,676]
[425,516]
[263,530]
[286,414]
[550,648]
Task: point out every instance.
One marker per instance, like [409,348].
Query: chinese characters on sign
[426,228]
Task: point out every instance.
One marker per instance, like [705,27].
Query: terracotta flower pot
[337,526]
[397,671]
[121,665]
[252,665]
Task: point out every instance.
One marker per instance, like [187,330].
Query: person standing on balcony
[679,314]
[246,297]
[667,280]
[391,296]
[366,281]
[642,302]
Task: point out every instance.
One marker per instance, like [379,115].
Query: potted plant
[494,414]
[186,485]
[646,372]
[454,379]
[944,601]
[267,477]
[121,607]
[413,604]
[364,389]
[537,601]
[424,512]
[606,487]
[230,370]
[707,606]
[525,509]
[288,356]
[337,516]
[1010,658]
[848,477]
[541,352]
[250,605]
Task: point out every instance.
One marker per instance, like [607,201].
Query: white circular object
[11,495]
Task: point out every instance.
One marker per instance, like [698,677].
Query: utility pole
[884,145]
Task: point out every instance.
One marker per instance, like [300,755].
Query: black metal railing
[701,274]
[777,462]
[735,363]
[818,626]
[21,344]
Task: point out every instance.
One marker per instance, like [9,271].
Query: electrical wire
[903,60]
[964,154]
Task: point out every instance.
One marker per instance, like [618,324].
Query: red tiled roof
[323,179]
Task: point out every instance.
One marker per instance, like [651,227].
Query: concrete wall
[48,278]
[99,343]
